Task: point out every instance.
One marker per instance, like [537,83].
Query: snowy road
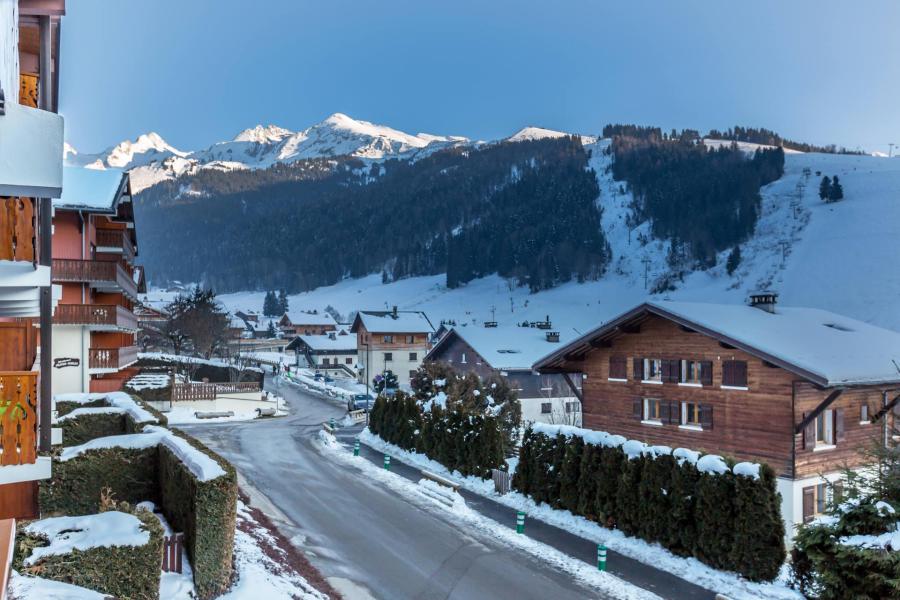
[366,540]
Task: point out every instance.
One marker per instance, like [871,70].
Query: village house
[31,147]
[304,322]
[333,350]
[395,341]
[798,388]
[509,352]
[94,251]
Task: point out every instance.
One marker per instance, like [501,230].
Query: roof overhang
[31,150]
[561,361]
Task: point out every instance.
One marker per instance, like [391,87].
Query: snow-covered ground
[730,584]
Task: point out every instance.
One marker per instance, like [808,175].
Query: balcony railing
[100,315]
[106,276]
[18,417]
[117,239]
[112,358]
[17,229]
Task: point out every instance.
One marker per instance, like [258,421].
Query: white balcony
[20,288]
[31,152]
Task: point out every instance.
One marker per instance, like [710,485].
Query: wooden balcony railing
[112,358]
[17,229]
[112,315]
[18,417]
[102,275]
[116,238]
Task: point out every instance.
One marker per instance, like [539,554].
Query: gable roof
[510,348]
[342,343]
[92,190]
[821,346]
[301,317]
[385,321]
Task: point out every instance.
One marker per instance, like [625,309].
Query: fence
[172,550]
[502,480]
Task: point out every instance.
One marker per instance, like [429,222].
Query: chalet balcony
[109,360]
[104,276]
[31,150]
[97,317]
[116,241]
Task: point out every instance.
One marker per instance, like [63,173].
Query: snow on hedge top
[100,410]
[47,589]
[202,466]
[177,358]
[119,400]
[889,540]
[838,349]
[66,534]
[710,463]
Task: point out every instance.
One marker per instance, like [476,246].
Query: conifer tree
[628,501]
[713,513]
[589,472]
[837,191]
[570,473]
[682,537]
[608,483]
[734,260]
[655,500]
[759,549]
[282,301]
[825,188]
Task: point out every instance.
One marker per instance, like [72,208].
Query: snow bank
[710,463]
[100,410]
[36,588]
[148,381]
[202,466]
[177,358]
[66,534]
[113,399]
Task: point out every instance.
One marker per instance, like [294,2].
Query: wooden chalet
[334,350]
[393,340]
[303,322]
[800,389]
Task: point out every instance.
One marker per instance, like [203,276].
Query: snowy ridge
[539,133]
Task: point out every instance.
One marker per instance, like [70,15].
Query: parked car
[361,402]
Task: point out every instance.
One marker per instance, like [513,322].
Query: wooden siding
[18,417]
[18,345]
[376,341]
[17,229]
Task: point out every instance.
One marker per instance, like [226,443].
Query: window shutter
[706,372]
[740,373]
[666,370]
[675,413]
[706,416]
[639,368]
[617,367]
[839,434]
[809,503]
[728,372]
[674,370]
[809,435]
[638,408]
[664,412]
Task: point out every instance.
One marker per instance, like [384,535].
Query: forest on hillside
[525,210]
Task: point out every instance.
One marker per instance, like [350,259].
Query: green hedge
[205,511]
[126,572]
[86,427]
[152,394]
[467,442]
[64,407]
[727,521]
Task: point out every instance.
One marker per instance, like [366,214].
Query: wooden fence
[172,550]
[211,391]
[502,480]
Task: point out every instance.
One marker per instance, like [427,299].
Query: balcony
[115,241]
[97,317]
[104,276]
[31,150]
[110,360]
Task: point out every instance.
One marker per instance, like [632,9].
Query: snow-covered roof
[91,189]
[344,343]
[402,321]
[824,347]
[510,348]
[302,317]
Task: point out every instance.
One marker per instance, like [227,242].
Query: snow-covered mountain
[151,159]
[539,133]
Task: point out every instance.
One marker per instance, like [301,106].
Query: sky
[199,71]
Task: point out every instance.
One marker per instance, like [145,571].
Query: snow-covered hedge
[116,552]
[725,515]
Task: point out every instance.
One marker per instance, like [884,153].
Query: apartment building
[395,341]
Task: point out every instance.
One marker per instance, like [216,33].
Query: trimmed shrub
[86,427]
[126,572]
[205,511]
[726,520]
[64,407]
[202,370]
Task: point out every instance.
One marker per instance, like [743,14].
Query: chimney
[553,336]
[764,301]
[395,311]
[331,335]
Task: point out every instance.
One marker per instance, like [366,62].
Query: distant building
[510,352]
[393,340]
[302,322]
[334,350]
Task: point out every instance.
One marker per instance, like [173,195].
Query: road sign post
[601,557]
[520,521]
[387,462]
[356,447]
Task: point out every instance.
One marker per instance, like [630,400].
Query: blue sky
[199,71]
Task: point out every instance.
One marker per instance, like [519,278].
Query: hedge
[126,572]
[728,521]
[203,370]
[86,427]
[204,511]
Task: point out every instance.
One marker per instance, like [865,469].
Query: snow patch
[65,534]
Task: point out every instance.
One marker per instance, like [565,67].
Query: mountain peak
[539,133]
[263,134]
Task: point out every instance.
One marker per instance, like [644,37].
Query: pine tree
[759,550]
[837,191]
[714,515]
[825,188]
[734,260]
[682,537]
[271,331]
[282,301]
[570,474]
[628,502]
[655,501]
[270,305]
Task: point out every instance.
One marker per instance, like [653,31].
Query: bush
[86,427]
[126,572]
[725,520]
[64,407]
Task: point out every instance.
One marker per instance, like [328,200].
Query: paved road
[356,531]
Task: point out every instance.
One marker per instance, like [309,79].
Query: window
[652,369]
[734,373]
[690,414]
[815,500]
[690,372]
[545,408]
[825,428]
[617,368]
[413,356]
[652,410]
[412,374]
[348,361]
[388,339]
[410,339]
[573,407]
[324,362]
[388,356]
[462,358]
[864,415]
